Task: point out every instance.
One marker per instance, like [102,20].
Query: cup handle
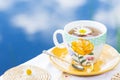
[55,40]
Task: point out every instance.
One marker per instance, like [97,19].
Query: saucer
[108,60]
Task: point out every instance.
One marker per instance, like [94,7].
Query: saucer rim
[85,73]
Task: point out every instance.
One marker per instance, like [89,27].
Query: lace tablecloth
[42,61]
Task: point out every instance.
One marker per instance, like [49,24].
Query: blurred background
[27,26]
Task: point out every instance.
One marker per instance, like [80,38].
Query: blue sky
[27,26]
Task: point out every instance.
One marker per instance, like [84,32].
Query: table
[42,61]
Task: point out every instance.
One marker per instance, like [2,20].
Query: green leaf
[80,57]
[83,61]
[91,53]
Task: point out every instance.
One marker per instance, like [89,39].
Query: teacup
[84,40]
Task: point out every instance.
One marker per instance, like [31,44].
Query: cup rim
[90,21]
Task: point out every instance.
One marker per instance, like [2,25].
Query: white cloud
[115,14]
[40,18]
[70,4]
[6,4]
[100,15]
[38,21]
[106,17]
[31,23]
[114,2]
[111,16]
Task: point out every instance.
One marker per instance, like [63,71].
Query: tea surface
[84,31]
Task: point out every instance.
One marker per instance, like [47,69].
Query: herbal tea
[84,31]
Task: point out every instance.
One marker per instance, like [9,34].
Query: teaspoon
[77,66]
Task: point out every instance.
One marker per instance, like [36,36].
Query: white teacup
[97,41]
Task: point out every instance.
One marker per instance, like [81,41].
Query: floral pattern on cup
[82,51]
[82,46]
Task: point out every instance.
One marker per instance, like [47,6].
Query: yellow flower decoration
[82,31]
[82,46]
[28,72]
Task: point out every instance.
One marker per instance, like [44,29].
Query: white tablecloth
[42,61]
